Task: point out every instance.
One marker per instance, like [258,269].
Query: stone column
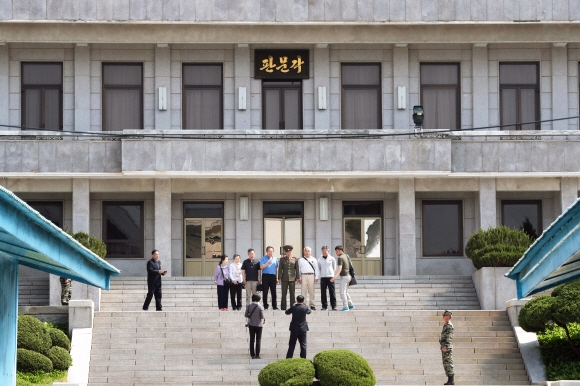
[559,85]
[322,79]
[480,86]
[82,66]
[162,79]
[4,86]
[8,320]
[163,222]
[487,203]
[407,238]
[568,192]
[401,78]
[242,73]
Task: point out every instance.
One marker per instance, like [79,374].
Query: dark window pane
[124,249]
[518,73]
[526,215]
[203,210]
[292,109]
[42,74]
[52,109]
[361,75]
[123,230]
[202,75]
[272,109]
[362,208]
[122,75]
[440,107]
[52,211]
[439,74]
[203,109]
[122,110]
[442,228]
[283,209]
[360,109]
[32,101]
[509,112]
[528,108]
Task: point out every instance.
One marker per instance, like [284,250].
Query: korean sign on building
[281,64]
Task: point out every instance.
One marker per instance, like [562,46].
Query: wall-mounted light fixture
[321,98]
[402,98]
[244,208]
[323,203]
[162,98]
[241,98]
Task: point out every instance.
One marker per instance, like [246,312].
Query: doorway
[363,235]
[203,238]
[282,105]
[283,225]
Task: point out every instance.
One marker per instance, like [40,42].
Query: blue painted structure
[29,239]
[553,259]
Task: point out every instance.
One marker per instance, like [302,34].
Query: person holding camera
[154,273]
[255,322]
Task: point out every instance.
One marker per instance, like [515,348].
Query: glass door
[203,245]
[282,231]
[363,243]
[282,105]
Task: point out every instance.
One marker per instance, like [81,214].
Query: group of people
[264,274]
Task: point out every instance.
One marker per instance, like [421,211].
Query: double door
[203,245]
[282,105]
[362,242]
[283,231]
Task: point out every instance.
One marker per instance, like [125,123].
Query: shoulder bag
[227,280]
[351,272]
[251,313]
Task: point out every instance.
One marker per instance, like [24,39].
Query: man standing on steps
[309,273]
[298,327]
[251,274]
[447,347]
[154,274]
[287,275]
[342,270]
[327,268]
[269,267]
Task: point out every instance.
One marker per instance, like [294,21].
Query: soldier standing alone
[65,290]
[287,274]
[447,347]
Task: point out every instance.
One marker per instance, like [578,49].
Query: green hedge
[287,372]
[60,358]
[33,334]
[560,361]
[92,243]
[343,368]
[59,338]
[27,360]
[497,247]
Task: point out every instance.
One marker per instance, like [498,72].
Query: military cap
[447,313]
[288,248]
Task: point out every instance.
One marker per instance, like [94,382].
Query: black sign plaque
[281,64]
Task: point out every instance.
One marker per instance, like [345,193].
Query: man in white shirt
[309,275]
[327,268]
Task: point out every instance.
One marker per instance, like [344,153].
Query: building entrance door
[282,105]
[203,245]
[283,231]
[363,235]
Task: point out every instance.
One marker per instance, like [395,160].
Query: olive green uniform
[445,341]
[287,272]
[65,290]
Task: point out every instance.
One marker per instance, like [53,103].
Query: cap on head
[288,248]
[339,247]
[447,313]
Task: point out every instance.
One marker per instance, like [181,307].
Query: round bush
[287,372]
[536,313]
[59,338]
[343,368]
[27,360]
[60,358]
[33,334]
[497,247]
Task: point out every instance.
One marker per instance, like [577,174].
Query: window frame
[281,107]
[377,87]
[460,219]
[539,210]
[104,206]
[42,87]
[185,87]
[264,202]
[104,88]
[518,88]
[444,86]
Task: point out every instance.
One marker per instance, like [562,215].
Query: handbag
[227,281]
[351,272]
[259,287]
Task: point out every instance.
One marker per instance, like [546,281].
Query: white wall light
[402,97]
[162,98]
[323,203]
[321,98]
[241,98]
[244,208]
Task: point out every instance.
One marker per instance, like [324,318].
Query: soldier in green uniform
[287,273]
[65,290]
[447,347]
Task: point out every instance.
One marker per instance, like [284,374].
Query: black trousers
[269,284]
[301,337]
[236,292]
[255,336]
[324,284]
[153,292]
[222,293]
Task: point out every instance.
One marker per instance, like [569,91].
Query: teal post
[8,320]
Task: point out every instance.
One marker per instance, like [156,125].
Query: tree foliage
[497,247]
[92,243]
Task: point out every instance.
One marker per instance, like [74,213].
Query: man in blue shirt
[269,267]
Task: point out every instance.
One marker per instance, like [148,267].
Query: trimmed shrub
[60,358]
[560,361]
[343,368]
[33,334]
[287,372]
[497,247]
[92,243]
[59,338]
[27,360]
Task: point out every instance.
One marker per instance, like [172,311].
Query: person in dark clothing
[154,273]
[298,327]
[255,322]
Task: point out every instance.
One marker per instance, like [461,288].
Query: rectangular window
[441,96]
[519,88]
[202,96]
[41,102]
[203,209]
[361,96]
[523,214]
[442,228]
[122,96]
[51,210]
[282,105]
[123,229]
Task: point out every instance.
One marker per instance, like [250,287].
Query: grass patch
[561,362]
[40,378]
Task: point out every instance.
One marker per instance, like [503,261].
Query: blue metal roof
[553,259]
[27,237]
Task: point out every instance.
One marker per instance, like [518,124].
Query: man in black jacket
[154,274]
[298,326]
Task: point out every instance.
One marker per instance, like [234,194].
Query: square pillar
[321,79]
[162,79]
[163,222]
[407,234]
[242,73]
[82,95]
[559,86]
[4,86]
[401,78]
[568,192]
[487,203]
[480,86]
